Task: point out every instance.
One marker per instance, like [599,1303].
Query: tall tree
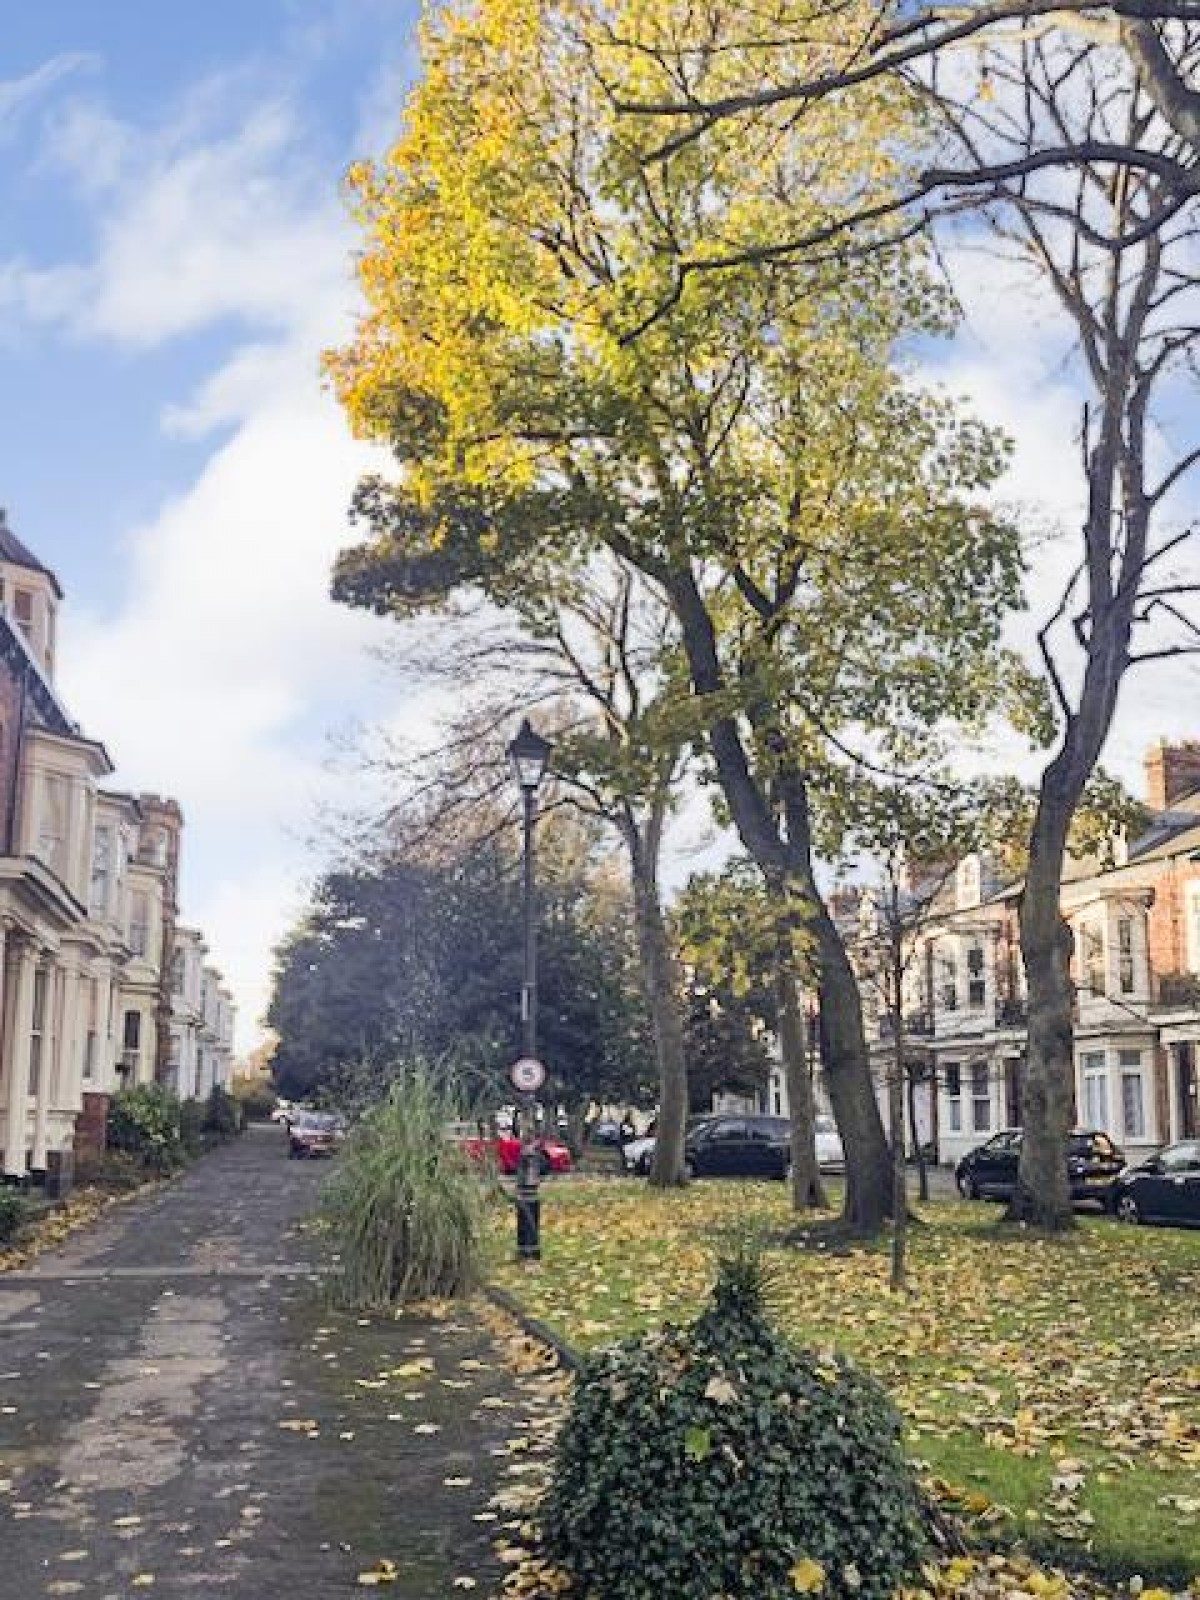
[1071,128]
[810,517]
[601,648]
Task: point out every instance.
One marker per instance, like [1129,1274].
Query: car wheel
[1127,1209]
[969,1188]
[785,1169]
[642,1166]
[690,1170]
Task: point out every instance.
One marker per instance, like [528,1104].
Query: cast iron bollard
[529,1205]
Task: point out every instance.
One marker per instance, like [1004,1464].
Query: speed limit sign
[528,1075]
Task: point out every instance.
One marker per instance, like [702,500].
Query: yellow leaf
[807,1576]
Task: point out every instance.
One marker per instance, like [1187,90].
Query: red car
[505,1150]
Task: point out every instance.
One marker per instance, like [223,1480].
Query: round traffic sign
[528,1075]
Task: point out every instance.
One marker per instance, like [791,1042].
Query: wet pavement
[181,1415]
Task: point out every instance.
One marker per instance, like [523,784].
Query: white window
[53,822]
[39,1023]
[981,1098]
[102,864]
[1125,954]
[1091,958]
[131,1042]
[139,922]
[976,983]
[23,611]
[1095,1090]
[92,1041]
[947,983]
[1133,1095]
[954,1096]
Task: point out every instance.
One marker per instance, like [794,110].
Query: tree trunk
[896,1128]
[1043,1195]
[661,987]
[786,862]
[868,1201]
[807,1190]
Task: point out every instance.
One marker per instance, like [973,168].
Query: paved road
[181,1416]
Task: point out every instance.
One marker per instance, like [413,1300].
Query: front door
[1014,1089]
[1189,1089]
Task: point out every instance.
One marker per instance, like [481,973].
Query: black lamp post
[530,756]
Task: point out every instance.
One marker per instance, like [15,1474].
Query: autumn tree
[1067,135]
[599,652]
[809,515]
[749,959]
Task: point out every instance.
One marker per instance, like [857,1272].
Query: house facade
[88,890]
[1135,926]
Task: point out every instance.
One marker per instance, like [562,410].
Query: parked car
[283,1112]
[830,1155]
[637,1154]
[314,1133]
[989,1172]
[504,1149]
[734,1146]
[605,1132]
[1163,1188]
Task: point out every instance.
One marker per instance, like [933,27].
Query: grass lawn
[1054,1385]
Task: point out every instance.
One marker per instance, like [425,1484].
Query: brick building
[1136,968]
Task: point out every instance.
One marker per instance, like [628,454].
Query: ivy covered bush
[145,1122]
[716,1459]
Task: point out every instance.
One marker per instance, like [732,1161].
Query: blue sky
[175,256]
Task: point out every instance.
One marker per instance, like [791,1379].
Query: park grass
[1049,1386]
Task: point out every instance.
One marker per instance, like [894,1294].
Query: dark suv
[990,1172]
[737,1146]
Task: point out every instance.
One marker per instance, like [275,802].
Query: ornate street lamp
[529,754]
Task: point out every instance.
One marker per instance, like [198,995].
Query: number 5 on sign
[527,1075]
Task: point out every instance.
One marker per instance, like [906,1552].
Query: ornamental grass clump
[717,1459]
[405,1207]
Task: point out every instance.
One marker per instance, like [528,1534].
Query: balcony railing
[917,1024]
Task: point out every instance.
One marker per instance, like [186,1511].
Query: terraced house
[1136,968]
[88,902]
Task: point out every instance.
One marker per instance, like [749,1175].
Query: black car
[736,1146]
[1165,1188]
[990,1172]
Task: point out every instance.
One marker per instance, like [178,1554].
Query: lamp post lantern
[529,754]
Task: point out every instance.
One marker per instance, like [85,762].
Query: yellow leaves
[383,1572]
[807,1576]
[721,1390]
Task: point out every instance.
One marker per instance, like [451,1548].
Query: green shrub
[222,1115]
[13,1211]
[145,1123]
[192,1123]
[405,1207]
[257,1099]
[716,1459]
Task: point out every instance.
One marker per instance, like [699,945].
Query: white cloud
[18,95]
[222,671]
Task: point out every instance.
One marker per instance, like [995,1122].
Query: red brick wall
[1167,921]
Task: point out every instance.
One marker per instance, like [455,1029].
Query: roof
[19,554]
